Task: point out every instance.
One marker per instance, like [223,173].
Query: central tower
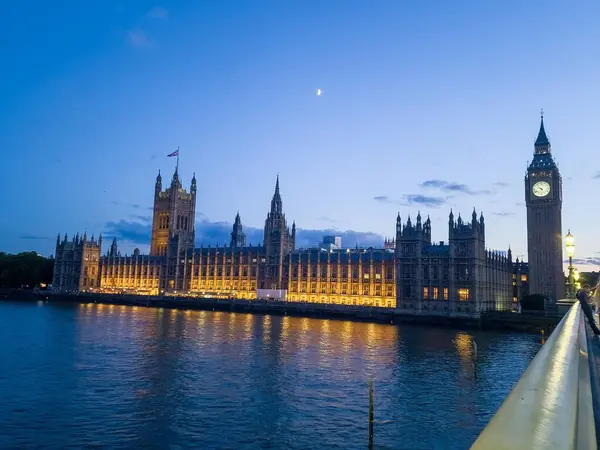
[279,241]
[543,197]
[173,215]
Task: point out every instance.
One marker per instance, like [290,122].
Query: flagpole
[177,168]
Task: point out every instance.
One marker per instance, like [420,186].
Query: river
[101,376]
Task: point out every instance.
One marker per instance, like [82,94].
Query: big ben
[543,197]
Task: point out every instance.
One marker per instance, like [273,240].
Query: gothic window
[463,294]
[323,271]
[389,273]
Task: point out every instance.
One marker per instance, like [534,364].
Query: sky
[425,106]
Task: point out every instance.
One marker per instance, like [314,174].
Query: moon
[318,92]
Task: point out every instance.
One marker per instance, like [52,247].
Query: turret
[158,184]
[193,185]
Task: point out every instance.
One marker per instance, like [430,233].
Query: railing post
[371,415]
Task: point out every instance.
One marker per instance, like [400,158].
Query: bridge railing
[551,405]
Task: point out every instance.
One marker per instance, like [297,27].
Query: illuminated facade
[410,273]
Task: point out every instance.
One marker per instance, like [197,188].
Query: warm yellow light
[576,275]
[570,244]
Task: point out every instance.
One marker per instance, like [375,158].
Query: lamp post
[570,244]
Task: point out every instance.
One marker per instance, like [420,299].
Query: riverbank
[490,321]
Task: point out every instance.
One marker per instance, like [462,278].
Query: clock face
[541,189]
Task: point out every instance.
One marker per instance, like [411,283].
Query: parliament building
[415,275]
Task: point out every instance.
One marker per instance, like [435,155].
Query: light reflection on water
[130,377]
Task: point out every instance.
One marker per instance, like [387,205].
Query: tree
[27,269]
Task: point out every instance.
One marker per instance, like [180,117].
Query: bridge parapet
[551,406]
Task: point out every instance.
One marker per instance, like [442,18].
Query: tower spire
[542,139]
[276,204]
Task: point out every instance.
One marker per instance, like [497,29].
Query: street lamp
[570,244]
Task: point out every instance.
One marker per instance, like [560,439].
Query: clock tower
[543,197]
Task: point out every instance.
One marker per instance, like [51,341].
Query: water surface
[102,376]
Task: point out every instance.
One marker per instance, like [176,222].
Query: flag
[175,153]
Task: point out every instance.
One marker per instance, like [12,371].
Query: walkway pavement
[594,358]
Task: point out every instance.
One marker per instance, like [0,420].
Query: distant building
[520,281]
[389,244]
[331,243]
[411,273]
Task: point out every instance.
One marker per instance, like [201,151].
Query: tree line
[25,270]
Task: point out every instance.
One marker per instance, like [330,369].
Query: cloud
[501,184]
[425,200]
[503,214]
[144,219]
[157,12]
[214,233]
[589,261]
[412,200]
[597,176]
[135,205]
[382,199]
[327,219]
[519,204]
[449,186]
[137,38]
[32,237]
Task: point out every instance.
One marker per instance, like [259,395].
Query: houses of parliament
[414,276]
[417,275]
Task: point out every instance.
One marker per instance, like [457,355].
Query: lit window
[463,294]
[377,276]
[515,299]
[523,277]
[425,292]
[445,293]
[435,293]
[366,276]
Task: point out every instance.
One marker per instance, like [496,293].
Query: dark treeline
[26,269]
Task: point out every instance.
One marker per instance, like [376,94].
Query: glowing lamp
[570,244]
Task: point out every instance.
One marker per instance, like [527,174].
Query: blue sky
[417,96]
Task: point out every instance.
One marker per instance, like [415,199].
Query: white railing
[551,405]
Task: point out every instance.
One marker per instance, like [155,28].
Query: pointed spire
[542,139]
[276,204]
